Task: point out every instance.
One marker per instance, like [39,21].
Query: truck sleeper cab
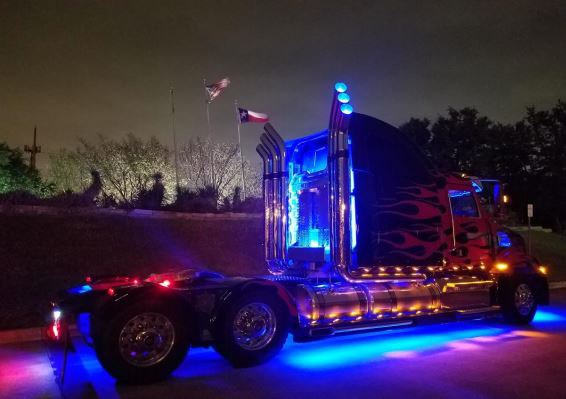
[361,232]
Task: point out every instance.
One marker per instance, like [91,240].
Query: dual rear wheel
[252,330]
[147,341]
[143,343]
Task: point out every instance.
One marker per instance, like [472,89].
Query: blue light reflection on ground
[354,350]
[347,351]
[545,316]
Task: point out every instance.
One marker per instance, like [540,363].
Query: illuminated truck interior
[309,229]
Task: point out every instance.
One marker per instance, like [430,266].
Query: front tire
[519,303]
[143,343]
[252,330]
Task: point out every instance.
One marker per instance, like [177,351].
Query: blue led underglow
[344,98]
[340,87]
[80,289]
[346,109]
[503,239]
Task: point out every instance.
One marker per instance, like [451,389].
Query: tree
[16,176]
[547,168]
[459,141]
[529,155]
[68,171]
[127,166]
[195,160]
[419,131]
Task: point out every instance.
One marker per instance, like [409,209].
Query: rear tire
[519,302]
[143,343]
[252,330]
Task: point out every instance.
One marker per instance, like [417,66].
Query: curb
[34,334]
[136,213]
[21,335]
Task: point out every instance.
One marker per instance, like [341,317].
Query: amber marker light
[501,267]
[543,270]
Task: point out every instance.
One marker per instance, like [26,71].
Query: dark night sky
[77,67]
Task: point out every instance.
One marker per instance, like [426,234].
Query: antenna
[33,150]
[172,93]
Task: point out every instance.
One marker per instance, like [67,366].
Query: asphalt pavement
[476,359]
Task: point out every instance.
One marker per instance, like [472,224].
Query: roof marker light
[346,109]
[340,87]
[343,98]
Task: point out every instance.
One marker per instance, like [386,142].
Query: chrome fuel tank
[352,302]
[331,302]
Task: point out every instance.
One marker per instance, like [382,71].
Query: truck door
[471,237]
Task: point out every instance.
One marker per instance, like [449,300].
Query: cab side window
[463,203]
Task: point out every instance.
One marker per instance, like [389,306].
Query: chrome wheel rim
[254,326]
[146,339]
[524,299]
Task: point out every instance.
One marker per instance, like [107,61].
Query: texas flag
[250,116]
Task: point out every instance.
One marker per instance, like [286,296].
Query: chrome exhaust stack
[280,187]
[272,151]
[339,183]
[339,193]
[267,159]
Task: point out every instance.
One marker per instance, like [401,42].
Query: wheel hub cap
[254,326]
[146,339]
[524,300]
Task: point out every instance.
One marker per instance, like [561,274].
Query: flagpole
[207,102]
[171,92]
[238,123]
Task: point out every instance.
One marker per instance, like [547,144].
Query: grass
[550,249]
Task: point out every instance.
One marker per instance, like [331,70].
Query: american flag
[214,90]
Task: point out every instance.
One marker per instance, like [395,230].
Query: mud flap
[67,366]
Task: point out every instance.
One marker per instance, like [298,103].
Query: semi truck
[361,232]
